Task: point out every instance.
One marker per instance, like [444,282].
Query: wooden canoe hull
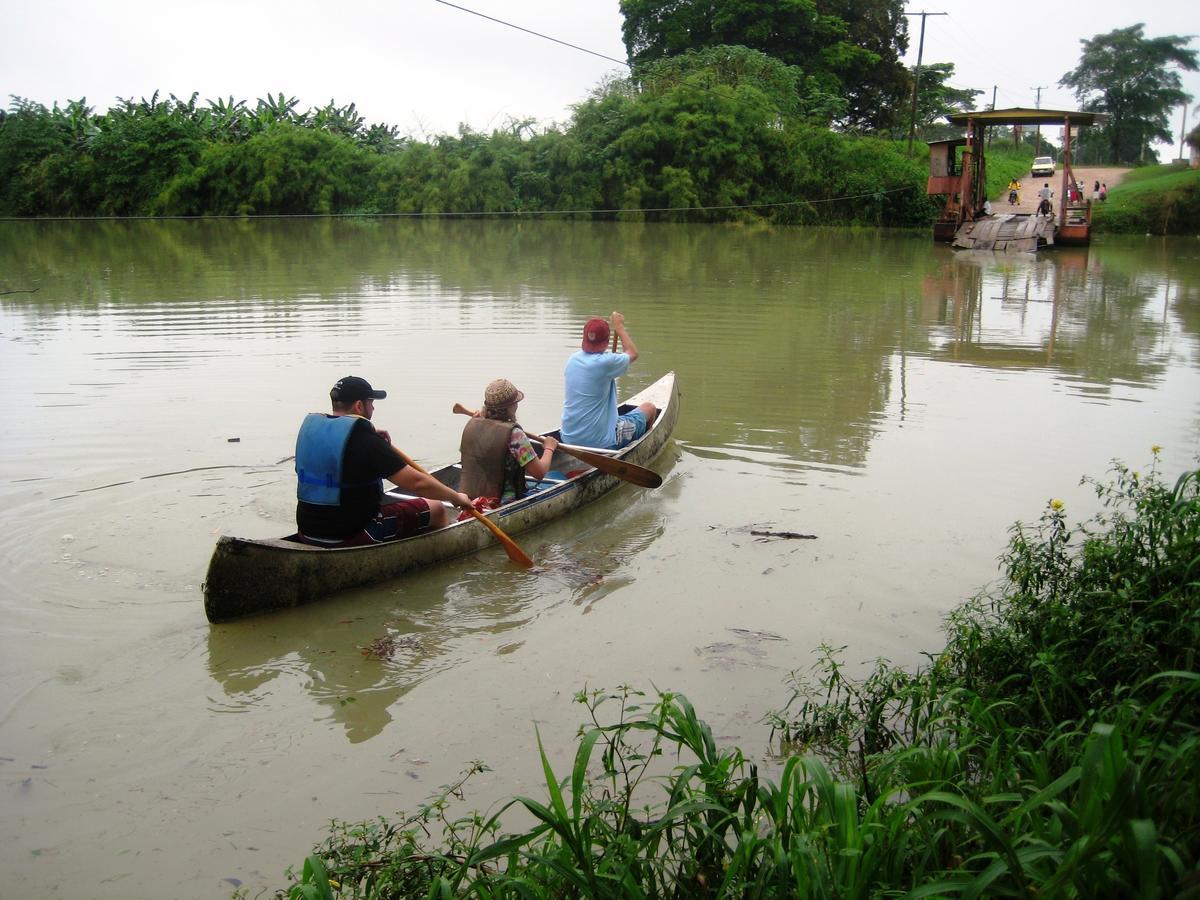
[247,576]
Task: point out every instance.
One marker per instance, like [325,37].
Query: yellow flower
[1155,449]
[1056,505]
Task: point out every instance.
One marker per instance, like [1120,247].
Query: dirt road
[1089,175]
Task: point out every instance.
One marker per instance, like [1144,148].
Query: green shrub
[727,135]
[1051,749]
[1004,164]
[1153,200]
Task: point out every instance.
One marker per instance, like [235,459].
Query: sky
[426,67]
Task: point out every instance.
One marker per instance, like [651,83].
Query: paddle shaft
[515,553]
[618,468]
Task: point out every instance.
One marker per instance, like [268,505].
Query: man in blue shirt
[590,398]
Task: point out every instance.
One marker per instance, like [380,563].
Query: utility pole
[1037,141]
[1182,130]
[990,130]
[912,118]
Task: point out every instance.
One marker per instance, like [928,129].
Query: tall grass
[1051,749]
[1153,200]
[1005,163]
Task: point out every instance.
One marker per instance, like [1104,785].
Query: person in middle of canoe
[341,459]
[496,453]
[590,417]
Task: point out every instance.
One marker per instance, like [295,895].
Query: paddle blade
[515,553]
[635,474]
[618,468]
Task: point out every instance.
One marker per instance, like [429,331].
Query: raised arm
[627,344]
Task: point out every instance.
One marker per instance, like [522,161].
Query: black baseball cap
[352,388]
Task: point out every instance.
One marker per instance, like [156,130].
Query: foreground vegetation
[1051,749]
[1153,200]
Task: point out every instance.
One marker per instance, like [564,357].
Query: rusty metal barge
[957,172]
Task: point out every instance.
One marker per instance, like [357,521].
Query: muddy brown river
[902,403]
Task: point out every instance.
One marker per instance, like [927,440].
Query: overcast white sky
[426,67]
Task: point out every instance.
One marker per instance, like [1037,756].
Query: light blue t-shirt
[590,404]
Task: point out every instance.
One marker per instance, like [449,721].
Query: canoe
[247,576]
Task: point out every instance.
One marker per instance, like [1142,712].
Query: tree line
[787,110]
[726,133]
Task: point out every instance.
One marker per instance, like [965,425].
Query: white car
[1043,166]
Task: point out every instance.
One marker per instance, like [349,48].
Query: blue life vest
[320,449]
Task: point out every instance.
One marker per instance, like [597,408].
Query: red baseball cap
[595,335]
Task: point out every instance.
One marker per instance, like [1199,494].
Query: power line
[1037,142]
[705,88]
[912,122]
[996,65]
[546,37]
[984,52]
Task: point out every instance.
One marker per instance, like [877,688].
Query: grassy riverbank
[1052,748]
[1153,200]
[1005,164]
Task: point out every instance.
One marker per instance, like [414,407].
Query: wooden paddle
[618,468]
[515,553]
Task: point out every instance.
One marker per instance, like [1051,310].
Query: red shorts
[482,504]
[393,521]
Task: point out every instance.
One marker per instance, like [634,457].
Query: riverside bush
[1051,749]
[727,135]
[1153,200]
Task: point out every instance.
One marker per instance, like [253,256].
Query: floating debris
[386,647]
[757,635]
[726,655]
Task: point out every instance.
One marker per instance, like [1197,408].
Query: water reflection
[356,654]
[1092,327]
[596,565]
[902,402]
[791,343]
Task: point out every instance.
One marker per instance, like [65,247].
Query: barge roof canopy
[1022,116]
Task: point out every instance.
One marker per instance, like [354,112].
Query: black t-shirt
[367,457]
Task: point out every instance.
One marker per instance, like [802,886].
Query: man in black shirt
[341,459]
